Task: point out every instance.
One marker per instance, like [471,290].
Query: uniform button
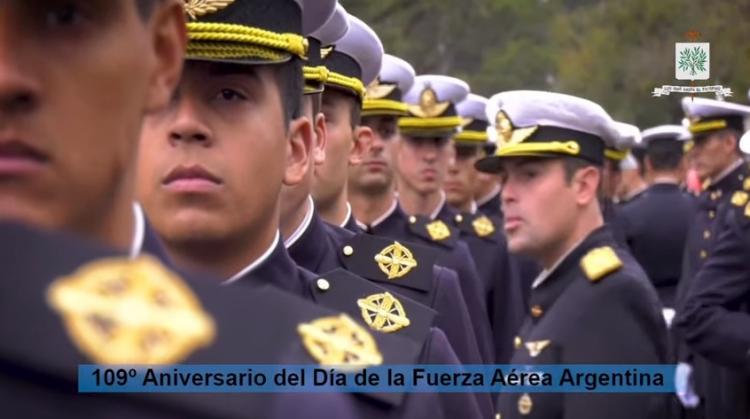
[712,214]
[525,404]
[348,250]
[707,234]
[498,416]
[323,284]
[704,254]
[536,311]
[517,342]
[412,219]
[459,218]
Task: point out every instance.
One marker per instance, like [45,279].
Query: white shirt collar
[727,171]
[257,262]
[485,199]
[348,215]
[440,205]
[547,272]
[667,180]
[139,231]
[294,237]
[474,207]
[382,217]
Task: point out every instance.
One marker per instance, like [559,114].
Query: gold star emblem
[119,311]
[396,260]
[339,341]
[483,226]
[383,312]
[197,8]
[429,106]
[438,230]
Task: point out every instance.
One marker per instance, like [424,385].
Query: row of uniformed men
[434,284]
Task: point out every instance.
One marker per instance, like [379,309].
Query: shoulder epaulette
[435,231]
[385,260]
[600,262]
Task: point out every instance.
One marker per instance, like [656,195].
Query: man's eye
[65,15]
[230,95]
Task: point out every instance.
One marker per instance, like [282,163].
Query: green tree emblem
[693,60]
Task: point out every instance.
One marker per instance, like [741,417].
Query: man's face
[612,178]
[211,165]
[422,163]
[712,153]
[330,177]
[462,176]
[76,79]
[376,172]
[539,204]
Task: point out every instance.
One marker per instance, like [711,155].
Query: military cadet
[632,184]
[614,155]
[483,234]
[373,199]
[716,128]
[592,303]
[237,114]
[62,68]
[320,247]
[715,317]
[55,186]
[656,224]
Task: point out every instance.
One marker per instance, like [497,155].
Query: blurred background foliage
[611,51]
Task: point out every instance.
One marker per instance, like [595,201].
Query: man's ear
[363,137]
[299,150]
[167,44]
[321,136]
[586,183]
[729,141]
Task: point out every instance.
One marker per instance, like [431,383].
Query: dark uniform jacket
[712,205]
[656,226]
[595,307]
[430,296]
[502,286]
[453,254]
[715,319]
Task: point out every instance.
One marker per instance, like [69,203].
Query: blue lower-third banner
[392,378]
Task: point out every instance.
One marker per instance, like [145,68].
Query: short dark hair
[664,154]
[291,84]
[573,164]
[355,107]
[145,8]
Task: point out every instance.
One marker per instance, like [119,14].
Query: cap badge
[196,8]
[429,107]
[378,91]
[396,260]
[383,312]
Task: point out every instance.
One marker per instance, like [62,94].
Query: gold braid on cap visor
[349,83]
[373,107]
[472,136]
[616,155]
[445,122]
[571,148]
[230,41]
[707,126]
